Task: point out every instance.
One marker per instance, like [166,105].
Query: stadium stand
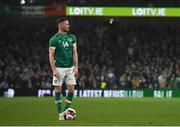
[123,56]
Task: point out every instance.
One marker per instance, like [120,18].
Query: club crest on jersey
[70,39]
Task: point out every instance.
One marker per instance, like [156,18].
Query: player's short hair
[62,19]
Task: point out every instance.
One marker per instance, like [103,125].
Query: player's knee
[57,89]
[70,89]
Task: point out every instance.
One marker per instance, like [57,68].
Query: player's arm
[75,58]
[51,61]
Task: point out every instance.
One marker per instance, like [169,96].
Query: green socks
[58,101]
[68,100]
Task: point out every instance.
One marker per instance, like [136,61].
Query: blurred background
[119,50]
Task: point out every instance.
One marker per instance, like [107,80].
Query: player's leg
[69,97]
[58,101]
[57,98]
[57,83]
[70,83]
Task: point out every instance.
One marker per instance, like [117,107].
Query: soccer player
[63,58]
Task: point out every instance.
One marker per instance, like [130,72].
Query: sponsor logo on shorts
[55,81]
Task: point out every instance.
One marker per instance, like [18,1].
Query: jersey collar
[62,34]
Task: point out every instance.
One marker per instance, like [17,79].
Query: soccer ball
[69,114]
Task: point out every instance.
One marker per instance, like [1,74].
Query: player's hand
[75,70]
[56,73]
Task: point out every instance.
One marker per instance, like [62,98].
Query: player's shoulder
[71,34]
[54,37]
[71,37]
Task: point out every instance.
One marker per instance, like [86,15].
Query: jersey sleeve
[52,43]
[74,40]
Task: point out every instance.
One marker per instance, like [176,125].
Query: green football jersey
[63,45]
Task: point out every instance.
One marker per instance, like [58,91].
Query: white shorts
[67,75]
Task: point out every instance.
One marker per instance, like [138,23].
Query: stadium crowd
[152,57]
[111,56]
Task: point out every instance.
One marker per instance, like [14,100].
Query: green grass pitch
[91,111]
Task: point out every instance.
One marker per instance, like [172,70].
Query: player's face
[65,26]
